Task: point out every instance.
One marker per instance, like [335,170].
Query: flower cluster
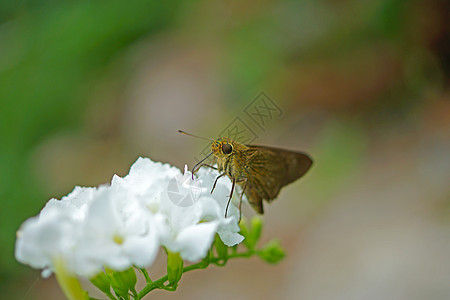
[124,224]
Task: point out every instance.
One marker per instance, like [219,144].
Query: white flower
[53,234]
[89,229]
[184,230]
[190,214]
[146,181]
[117,233]
[228,227]
[124,224]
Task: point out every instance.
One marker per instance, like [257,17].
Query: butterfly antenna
[196,136]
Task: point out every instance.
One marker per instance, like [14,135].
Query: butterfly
[261,171]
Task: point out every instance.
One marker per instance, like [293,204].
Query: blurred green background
[88,86]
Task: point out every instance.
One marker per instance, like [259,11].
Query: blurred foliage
[368,63]
[51,53]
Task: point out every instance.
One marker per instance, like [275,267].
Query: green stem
[146,276]
[152,285]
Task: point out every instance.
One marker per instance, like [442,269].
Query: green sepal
[221,249]
[245,233]
[251,233]
[68,281]
[174,268]
[272,252]
[101,281]
[122,281]
[255,232]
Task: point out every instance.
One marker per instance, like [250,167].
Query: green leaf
[174,268]
[272,252]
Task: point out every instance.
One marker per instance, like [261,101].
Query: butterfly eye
[227,148]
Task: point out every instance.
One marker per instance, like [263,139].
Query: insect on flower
[261,171]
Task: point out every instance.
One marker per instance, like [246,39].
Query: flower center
[118,239]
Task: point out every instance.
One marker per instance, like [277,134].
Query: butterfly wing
[269,169]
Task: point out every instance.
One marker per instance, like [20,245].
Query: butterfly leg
[215,182]
[240,198]
[231,195]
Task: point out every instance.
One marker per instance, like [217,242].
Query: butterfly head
[222,147]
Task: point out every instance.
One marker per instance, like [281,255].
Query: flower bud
[272,252]
[174,267]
